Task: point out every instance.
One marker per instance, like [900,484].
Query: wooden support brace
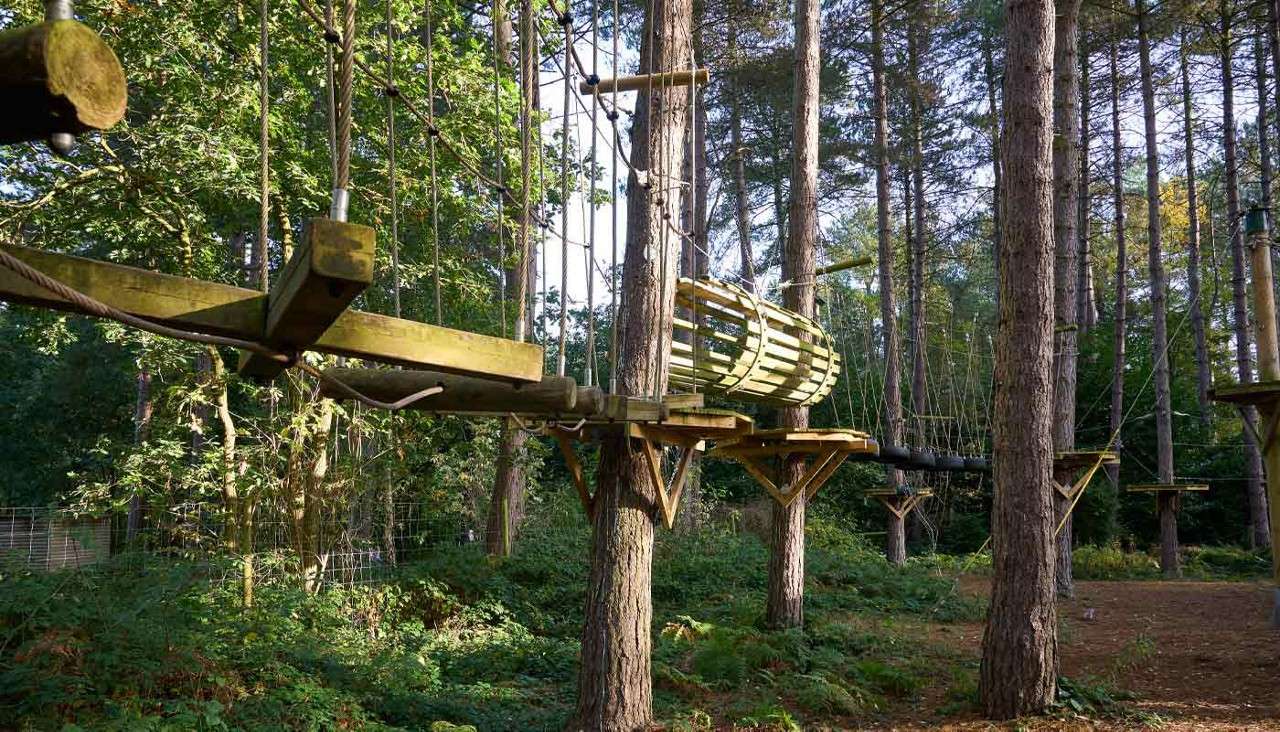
[575,470]
[761,474]
[333,265]
[820,478]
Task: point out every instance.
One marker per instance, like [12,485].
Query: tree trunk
[1019,659]
[1086,295]
[1155,259]
[1168,501]
[141,433]
[1264,136]
[1119,318]
[615,683]
[506,502]
[238,508]
[993,111]
[741,208]
[785,606]
[1066,277]
[919,351]
[896,540]
[1204,380]
[897,548]
[1258,523]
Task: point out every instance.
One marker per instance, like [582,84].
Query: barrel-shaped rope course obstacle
[739,346]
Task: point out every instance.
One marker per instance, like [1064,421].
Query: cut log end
[58,76]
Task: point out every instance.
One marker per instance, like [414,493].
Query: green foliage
[1208,563]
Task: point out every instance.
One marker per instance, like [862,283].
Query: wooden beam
[554,395]
[575,470]
[843,265]
[217,309]
[58,76]
[328,270]
[636,83]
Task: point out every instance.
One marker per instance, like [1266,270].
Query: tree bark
[916,283]
[741,208]
[1167,502]
[1019,659]
[141,433]
[896,551]
[1066,277]
[615,683]
[1258,523]
[1204,379]
[1155,258]
[993,111]
[506,502]
[1086,295]
[1120,315]
[785,606]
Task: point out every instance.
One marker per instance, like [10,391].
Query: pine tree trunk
[896,550]
[615,684]
[1019,658]
[1204,379]
[785,606]
[916,284]
[1155,259]
[1167,503]
[989,71]
[1066,215]
[896,540]
[1258,523]
[737,157]
[141,433]
[1086,295]
[506,501]
[1121,308]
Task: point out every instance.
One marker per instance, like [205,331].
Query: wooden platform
[899,503]
[1165,487]
[829,449]
[1262,393]
[889,491]
[1083,459]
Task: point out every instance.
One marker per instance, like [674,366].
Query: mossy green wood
[328,270]
[58,76]
[218,309]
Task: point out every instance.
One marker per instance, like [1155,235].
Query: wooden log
[332,266]
[58,76]
[463,394]
[218,309]
[636,83]
[843,265]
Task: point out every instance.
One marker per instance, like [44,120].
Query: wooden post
[1264,309]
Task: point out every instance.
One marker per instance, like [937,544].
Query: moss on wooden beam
[58,76]
[214,308]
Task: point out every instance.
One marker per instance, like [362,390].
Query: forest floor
[1178,656]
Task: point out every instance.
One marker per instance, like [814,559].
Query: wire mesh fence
[360,544]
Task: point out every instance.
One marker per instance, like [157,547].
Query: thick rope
[566,20]
[264,146]
[391,93]
[498,169]
[346,72]
[432,133]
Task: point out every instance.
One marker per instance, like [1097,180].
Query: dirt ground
[1200,655]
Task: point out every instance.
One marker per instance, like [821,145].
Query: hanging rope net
[747,348]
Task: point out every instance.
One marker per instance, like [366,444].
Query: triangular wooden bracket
[668,494]
[575,470]
[824,465]
[903,509]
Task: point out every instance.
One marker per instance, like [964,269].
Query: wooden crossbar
[218,309]
[643,81]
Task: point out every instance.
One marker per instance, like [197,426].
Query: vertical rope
[346,69]
[392,92]
[497,154]
[528,87]
[594,81]
[566,20]
[432,133]
[613,197]
[330,90]
[264,149]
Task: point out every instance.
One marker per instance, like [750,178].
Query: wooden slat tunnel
[739,346]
